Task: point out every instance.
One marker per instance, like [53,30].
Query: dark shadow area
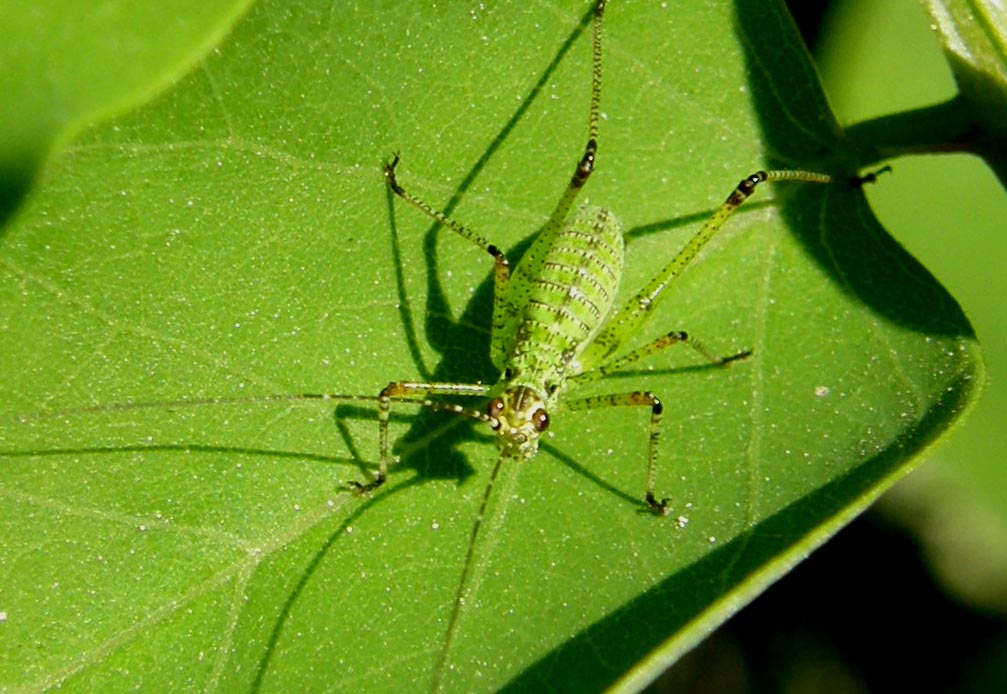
[835,225]
[863,614]
[14,184]
[809,15]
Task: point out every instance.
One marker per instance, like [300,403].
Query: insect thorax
[557,300]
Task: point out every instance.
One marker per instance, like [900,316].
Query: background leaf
[974,38]
[235,239]
[64,65]
[964,527]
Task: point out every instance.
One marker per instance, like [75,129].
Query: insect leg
[640,307]
[586,164]
[554,226]
[635,399]
[661,343]
[417,394]
[501,266]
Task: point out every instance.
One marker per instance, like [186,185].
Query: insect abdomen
[562,291]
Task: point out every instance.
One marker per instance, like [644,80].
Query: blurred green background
[913,595]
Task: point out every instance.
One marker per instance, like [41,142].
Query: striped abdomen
[558,298]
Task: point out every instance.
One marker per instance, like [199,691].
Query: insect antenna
[463,580]
[191,402]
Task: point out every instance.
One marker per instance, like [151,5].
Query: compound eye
[540,419]
[494,409]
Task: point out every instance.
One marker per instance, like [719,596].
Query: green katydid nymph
[555,325]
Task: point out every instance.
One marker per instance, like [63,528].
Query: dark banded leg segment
[658,345]
[635,399]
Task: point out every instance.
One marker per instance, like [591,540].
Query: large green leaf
[235,239]
[62,64]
